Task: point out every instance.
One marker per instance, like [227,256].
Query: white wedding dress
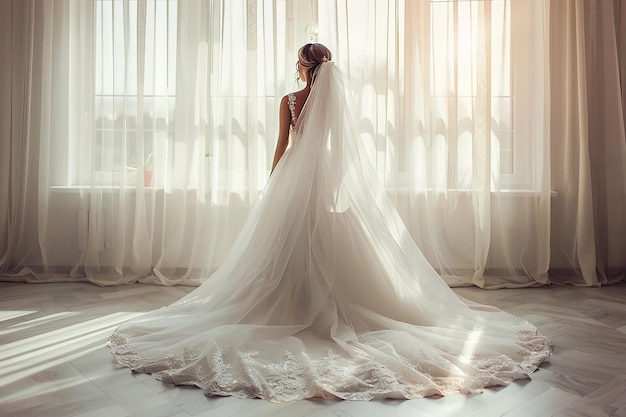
[324,293]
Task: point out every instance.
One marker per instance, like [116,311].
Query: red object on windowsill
[147,178]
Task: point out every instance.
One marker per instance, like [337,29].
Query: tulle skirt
[325,294]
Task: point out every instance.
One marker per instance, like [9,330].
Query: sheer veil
[324,293]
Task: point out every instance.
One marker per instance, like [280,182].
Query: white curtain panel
[452,98]
[588,143]
[138,134]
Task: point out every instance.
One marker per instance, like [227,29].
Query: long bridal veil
[324,293]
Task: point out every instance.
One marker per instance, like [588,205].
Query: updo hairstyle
[310,56]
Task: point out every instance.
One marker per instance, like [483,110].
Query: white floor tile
[54,362]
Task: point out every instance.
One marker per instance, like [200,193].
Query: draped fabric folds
[325,294]
[588,161]
[136,135]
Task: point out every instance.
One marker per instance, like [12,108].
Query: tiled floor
[53,361]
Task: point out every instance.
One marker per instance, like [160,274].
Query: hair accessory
[312,31]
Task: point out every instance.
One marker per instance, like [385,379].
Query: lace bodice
[291,102]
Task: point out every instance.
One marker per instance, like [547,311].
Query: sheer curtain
[142,131]
[588,141]
[452,98]
[143,134]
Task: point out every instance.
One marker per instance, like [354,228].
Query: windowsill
[104,188]
[132,188]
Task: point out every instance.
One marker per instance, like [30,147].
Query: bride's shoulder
[294,94]
[289,97]
[294,97]
[301,96]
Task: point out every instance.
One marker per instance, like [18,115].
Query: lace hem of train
[396,373]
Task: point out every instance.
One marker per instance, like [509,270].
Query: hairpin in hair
[312,31]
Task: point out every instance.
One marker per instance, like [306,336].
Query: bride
[324,293]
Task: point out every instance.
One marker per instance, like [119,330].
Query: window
[470,50]
[457,50]
[135,87]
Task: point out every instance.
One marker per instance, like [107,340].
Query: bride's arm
[283,133]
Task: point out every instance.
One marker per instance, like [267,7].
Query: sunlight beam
[56,347]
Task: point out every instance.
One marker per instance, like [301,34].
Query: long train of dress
[324,293]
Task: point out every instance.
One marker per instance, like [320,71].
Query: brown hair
[310,56]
